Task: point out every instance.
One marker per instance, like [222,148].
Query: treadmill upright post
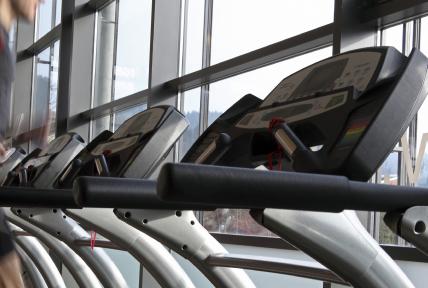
[180,231]
[338,241]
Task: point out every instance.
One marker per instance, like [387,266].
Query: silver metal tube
[57,224]
[34,274]
[41,259]
[80,271]
[149,252]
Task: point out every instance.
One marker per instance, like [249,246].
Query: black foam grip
[224,187]
[247,188]
[34,197]
[109,192]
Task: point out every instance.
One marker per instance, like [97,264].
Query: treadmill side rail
[338,241]
[180,231]
[41,259]
[149,252]
[66,229]
[34,274]
[80,271]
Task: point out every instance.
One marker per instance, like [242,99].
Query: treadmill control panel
[342,115]
[41,167]
[358,70]
[294,111]
[145,123]
[133,151]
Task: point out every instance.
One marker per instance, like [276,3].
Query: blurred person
[10,10]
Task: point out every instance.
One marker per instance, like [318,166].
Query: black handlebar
[203,187]
[223,187]
[121,193]
[33,197]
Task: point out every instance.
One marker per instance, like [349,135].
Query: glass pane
[122,116]
[44,19]
[191,109]
[393,36]
[58,12]
[421,145]
[241,26]
[128,266]
[45,96]
[422,124]
[99,125]
[49,15]
[233,221]
[388,174]
[194,29]
[133,47]
[103,79]
[258,82]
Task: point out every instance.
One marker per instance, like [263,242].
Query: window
[422,120]
[393,36]
[193,35]
[49,15]
[133,47]
[122,50]
[258,82]
[103,81]
[43,112]
[241,26]
[128,266]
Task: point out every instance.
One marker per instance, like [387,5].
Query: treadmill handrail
[204,187]
[225,187]
[36,197]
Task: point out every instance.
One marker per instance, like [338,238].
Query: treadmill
[340,116]
[38,170]
[33,250]
[82,274]
[135,151]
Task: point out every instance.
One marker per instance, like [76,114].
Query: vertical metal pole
[349,32]
[206,62]
[64,70]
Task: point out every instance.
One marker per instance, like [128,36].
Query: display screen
[143,122]
[287,112]
[320,79]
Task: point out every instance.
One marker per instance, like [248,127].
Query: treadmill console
[342,115]
[133,151]
[42,166]
[12,158]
